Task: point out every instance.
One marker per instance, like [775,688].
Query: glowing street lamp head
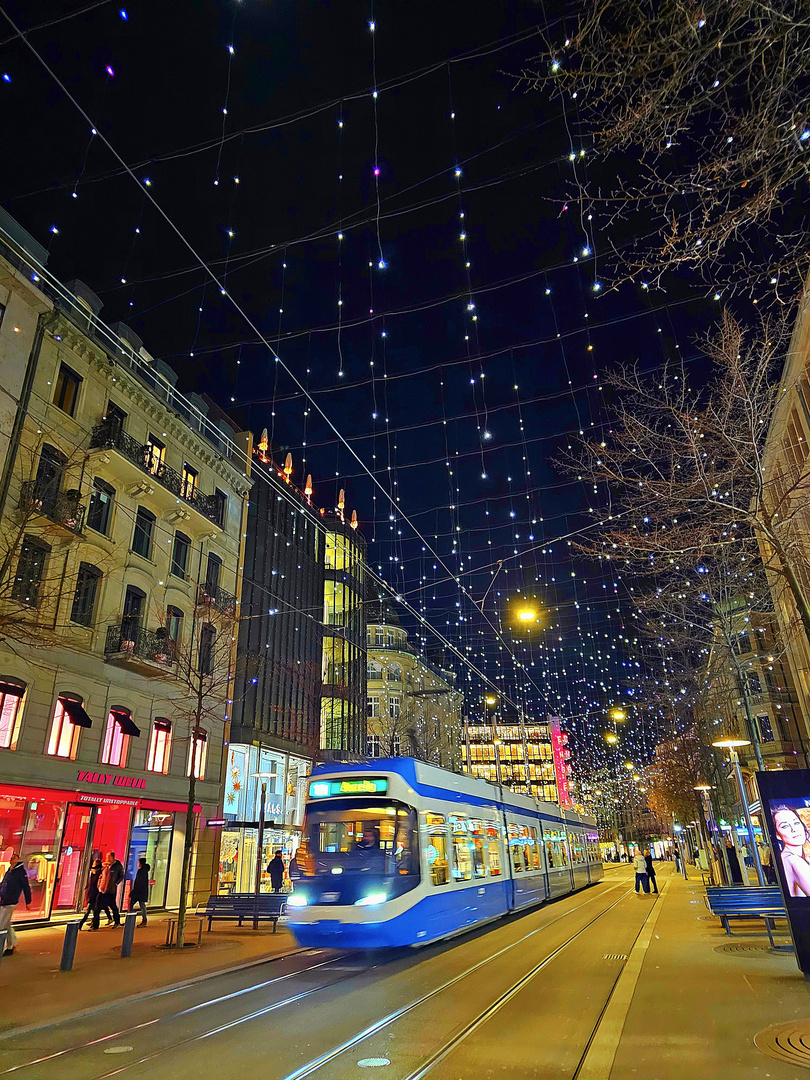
[703,787]
[527,615]
[611,737]
[490,699]
[618,715]
[629,766]
[730,743]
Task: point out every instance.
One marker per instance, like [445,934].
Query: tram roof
[431,780]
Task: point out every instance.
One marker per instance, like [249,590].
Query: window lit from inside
[116,741]
[11,697]
[197,754]
[67,390]
[63,740]
[160,743]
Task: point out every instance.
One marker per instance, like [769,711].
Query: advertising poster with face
[785,813]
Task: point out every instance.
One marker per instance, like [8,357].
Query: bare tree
[700,108]
[685,473]
[676,768]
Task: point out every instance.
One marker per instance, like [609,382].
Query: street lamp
[257,888]
[733,745]
[611,737]
[527,615]
[629,766]
[619,715]
[706,806]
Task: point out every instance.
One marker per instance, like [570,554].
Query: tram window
[477,847]
[493,850]
[437,849]
[516,848]
[576,848]
[534,850]
[462,862]
[363,836]
[556,851]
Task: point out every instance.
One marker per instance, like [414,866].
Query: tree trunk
[188,847]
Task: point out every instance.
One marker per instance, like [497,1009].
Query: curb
[171,988]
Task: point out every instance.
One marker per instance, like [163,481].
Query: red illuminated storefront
[59,833]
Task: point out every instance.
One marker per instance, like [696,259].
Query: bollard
[3,940]
[129,933]
[69,945]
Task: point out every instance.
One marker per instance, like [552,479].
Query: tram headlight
[297,901]
[372,900]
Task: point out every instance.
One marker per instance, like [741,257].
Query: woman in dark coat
[275,868]
[91,893]
[139,895]
[733,863]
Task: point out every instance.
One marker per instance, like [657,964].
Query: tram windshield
[361,836]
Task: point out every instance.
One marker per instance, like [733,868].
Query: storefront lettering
[110,779]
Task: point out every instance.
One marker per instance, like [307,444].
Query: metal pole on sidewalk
[69,945]
[129,933]
[732,746]
[3,940]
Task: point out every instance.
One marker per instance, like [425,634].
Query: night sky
[455,354]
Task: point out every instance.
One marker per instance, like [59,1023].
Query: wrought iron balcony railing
[110,436]
[214,596]
[62,507]
[127,638]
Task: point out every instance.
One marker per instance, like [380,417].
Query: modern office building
[527,757]
[121,524]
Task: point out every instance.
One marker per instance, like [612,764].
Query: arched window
[120,728]
[11,697]
[174,625]
[197,753]
[68,717]
[160,744]
[394,673]
[180,554]
[208,636]
[374,670]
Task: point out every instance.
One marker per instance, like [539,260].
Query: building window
[48,479]
[743,644]
[221,504]
[155,456]
[190,480]
[396,746]
[116,738]
[393,706]
[115,417]
[197,753]
[373,745]
[84,599]
[144,528]
[68,718]
[174,625]
[100,509]
[212,573]
[754,685]
[30,571]
[67,390]
[11,695]
[180,553]
[373,706]
[134,603]
[379,635]
[160,744]
[394,673]
[765,729]
[208,635]
[374,670]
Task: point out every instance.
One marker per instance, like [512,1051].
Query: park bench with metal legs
[264,907]
[746,902]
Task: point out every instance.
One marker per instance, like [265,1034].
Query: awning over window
[76,713]
[126,723]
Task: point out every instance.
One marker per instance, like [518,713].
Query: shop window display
[39,852]
[152,840]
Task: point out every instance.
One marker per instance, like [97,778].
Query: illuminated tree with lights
[705,107]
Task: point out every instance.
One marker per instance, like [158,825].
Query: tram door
[73,867]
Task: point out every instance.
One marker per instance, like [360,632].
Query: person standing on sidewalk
[648,859]
[733,863]
[112,873]
[12,887]
[140,890]
[91,894]
[642,882]
[275,868]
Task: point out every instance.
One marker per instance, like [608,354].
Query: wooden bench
[741,902]
[266,907]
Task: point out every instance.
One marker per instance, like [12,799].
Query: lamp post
[732,745]
[264,777]
[704,795]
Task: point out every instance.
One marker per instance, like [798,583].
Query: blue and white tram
[396,852]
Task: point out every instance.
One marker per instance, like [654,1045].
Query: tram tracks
[76,1054]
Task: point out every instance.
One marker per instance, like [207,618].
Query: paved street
[601,984]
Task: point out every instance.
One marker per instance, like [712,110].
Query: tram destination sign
[357,785]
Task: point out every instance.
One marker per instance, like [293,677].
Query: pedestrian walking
[648,859]
[91,894]
[140,890]
[275,868]
[12,887]
[112,874]
[677,856]
[733,863]
[642,882]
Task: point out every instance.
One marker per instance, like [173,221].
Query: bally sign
[110,779]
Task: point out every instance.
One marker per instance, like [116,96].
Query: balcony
[214,597]
[110,437]
[61,507]
[144,650]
